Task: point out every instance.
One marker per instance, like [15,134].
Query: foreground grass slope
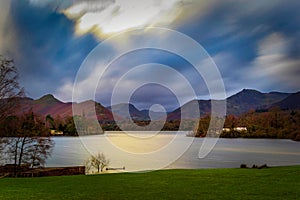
[271,183]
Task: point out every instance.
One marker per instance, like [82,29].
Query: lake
[150,151]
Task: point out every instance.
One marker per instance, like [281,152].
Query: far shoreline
[167,132]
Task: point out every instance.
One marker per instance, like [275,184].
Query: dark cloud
[151,94]
[148,95]
[234,30]
[47,50]
[237,26]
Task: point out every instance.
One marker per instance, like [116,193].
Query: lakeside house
[226,129]
[56,132]
[238,129]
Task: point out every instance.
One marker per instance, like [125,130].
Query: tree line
[267,123]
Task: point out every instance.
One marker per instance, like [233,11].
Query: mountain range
[134,113]
[49,105]
[237,104]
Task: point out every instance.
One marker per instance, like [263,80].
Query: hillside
[124,109]
[49,105]
[45,105]
[251,99]
[134,113]
[291,102]
[237,104]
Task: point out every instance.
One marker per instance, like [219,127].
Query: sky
[253,44]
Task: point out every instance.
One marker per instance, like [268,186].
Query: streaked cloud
[255,44]
[112,16]
[7,31]
[56,5]
[274,65]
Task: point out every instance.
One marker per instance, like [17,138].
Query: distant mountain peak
[249,91]
[48,98]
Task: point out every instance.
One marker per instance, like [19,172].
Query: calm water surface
[152,152]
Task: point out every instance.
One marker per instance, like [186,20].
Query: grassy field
[254,184]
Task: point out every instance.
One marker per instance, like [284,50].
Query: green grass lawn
[254,184]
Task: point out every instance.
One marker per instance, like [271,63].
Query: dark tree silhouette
[31,145]
[10,89]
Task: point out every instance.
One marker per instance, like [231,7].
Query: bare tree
[10,89]
[99,161]
[40,149]
[3,141]
[31,145]
[88,166]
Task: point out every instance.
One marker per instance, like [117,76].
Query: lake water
[145,151]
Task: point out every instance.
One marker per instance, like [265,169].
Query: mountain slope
[237,104]
[49,105]
[251,99]
[134,113]
[291,102]
[127,111]
[188,111]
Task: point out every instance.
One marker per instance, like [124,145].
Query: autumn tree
[230,121]
[50,122]
[70,128]
[202,128]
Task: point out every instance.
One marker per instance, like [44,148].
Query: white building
[240,129]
